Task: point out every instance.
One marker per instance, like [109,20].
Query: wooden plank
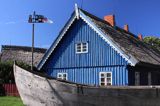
[39,91]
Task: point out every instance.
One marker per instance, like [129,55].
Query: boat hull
[36,90]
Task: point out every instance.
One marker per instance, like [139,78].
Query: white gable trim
[51,49]
[77,11]
[128,58]
[133,61]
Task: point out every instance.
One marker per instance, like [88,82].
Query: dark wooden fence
[10,90]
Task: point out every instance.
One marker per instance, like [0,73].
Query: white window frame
[105,78]
[62,78]
[81,47]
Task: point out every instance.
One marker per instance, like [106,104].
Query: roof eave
[128,57]
[148,65]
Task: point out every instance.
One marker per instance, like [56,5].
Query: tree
[154,41]
[6,71]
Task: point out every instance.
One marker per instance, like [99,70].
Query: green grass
[10,101]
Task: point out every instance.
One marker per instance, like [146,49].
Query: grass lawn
[10,101]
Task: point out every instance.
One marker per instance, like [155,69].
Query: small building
[21,53]
[93,51]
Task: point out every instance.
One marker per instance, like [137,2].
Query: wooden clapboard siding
[85,68]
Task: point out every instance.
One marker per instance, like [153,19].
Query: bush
[6,71]
[2,91]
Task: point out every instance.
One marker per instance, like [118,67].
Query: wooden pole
[32,46]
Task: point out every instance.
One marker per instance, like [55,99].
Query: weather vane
[35,18]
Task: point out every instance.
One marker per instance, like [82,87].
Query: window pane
[59,75]
[102,84]
[102,79]
[78,50]
[64,75]
[102,74]
[108,80]
[84,50]
[108,74]
[84,44]
[108,83]
[78,44]
[78,47]
[84,47]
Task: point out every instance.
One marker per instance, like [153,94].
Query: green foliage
[6,71]
[10,101]
[23,65]
[153,41]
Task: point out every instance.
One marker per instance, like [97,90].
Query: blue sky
[143,17]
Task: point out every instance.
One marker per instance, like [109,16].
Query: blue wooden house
[92,51]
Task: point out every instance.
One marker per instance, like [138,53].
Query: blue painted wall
[85,68]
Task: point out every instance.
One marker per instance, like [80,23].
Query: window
[149,78]
[82,47]
[137,78]
[62,76]
[105,78]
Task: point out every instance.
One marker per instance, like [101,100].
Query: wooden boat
[36,89]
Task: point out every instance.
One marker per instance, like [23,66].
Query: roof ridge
[96,17]
[25,48]
[21,46]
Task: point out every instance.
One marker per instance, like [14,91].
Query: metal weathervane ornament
[35,18]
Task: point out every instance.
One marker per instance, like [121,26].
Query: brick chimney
[140,37]
[110,19]
[126,27]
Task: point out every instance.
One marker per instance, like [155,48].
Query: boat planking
[36,89]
